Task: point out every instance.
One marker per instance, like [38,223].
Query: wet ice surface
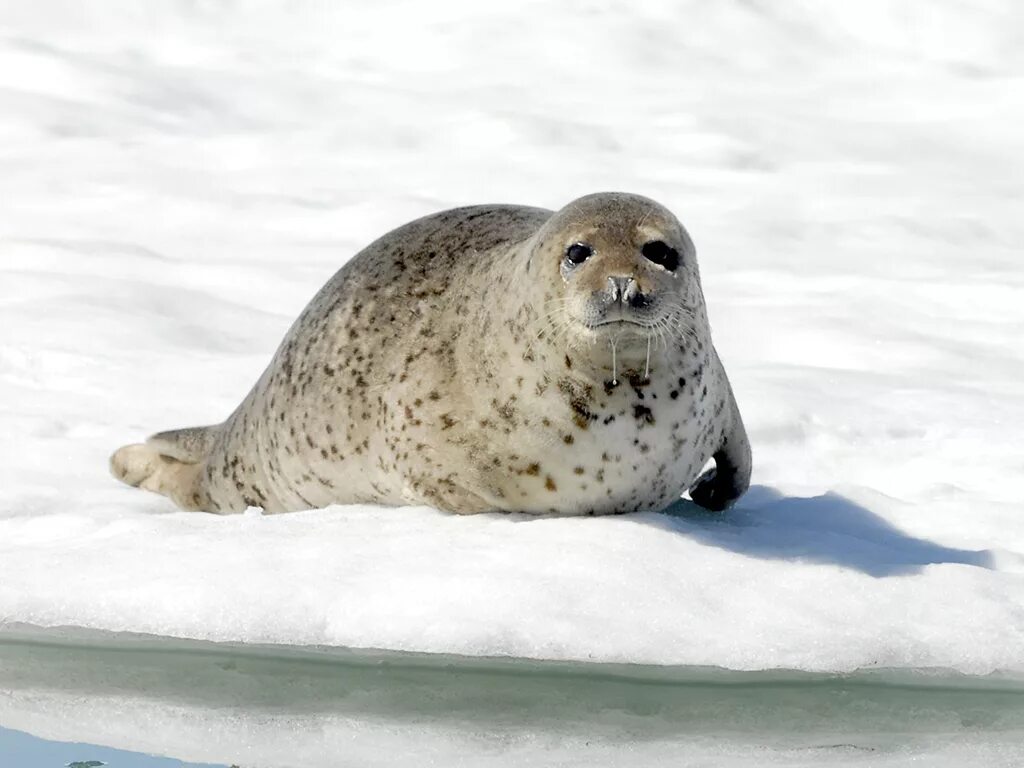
[177,182]
[273,706]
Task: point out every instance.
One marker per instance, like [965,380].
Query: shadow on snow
[821,529]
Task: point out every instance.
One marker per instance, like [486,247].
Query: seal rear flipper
[169,463]
[190,445]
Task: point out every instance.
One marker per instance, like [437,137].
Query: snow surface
[178,179]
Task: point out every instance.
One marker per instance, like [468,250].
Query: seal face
[483,358]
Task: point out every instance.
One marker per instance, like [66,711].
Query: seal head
[623,277]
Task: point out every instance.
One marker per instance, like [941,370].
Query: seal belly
[608,468]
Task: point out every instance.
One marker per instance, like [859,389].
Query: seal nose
[622,287]
[625,291]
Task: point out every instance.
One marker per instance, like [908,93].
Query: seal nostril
[621,287]
[638,300]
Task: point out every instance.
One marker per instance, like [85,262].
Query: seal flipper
[169,463]
[190,445]
[719,487]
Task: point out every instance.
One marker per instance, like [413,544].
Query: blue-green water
[209,704]
[22,750]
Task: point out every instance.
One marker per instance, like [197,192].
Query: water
[143,702]
[22,750]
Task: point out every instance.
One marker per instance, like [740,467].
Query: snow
[177,180]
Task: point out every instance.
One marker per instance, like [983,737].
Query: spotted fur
[432,369]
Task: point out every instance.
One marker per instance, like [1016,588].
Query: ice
[284,706]
[177,181]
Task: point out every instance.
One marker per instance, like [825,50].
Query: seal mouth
[618,322]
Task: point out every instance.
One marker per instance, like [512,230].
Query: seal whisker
[681,324]
[662,329]
[549,321]
[645,217]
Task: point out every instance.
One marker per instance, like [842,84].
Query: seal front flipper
[719,487]
[169,463]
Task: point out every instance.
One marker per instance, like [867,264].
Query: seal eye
[577,253]
[662,254]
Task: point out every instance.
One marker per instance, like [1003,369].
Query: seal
[483,358]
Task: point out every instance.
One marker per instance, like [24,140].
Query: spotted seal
[485,358]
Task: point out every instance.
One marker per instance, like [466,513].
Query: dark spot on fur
[643,413]
[506,410]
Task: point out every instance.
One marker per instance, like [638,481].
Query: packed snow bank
[817,584]
[178,181]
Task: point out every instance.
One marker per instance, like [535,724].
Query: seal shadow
[819,529]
